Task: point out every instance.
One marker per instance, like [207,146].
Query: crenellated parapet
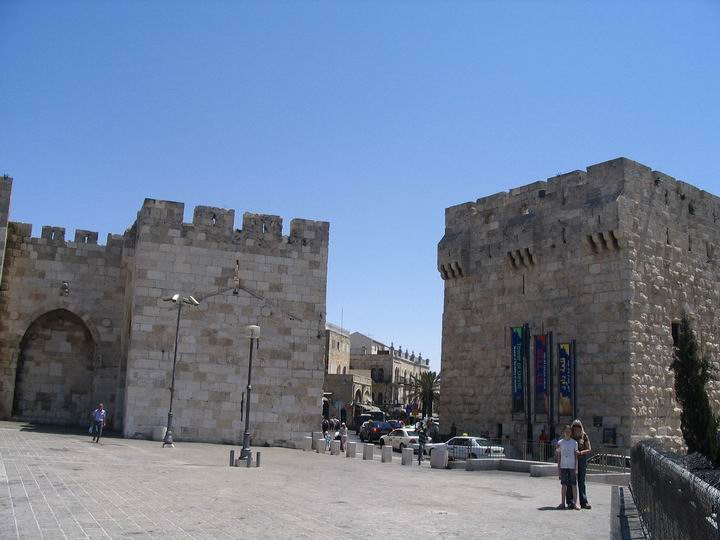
[162,221]
[578,213]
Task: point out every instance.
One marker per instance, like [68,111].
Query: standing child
[567,466]
[328,440]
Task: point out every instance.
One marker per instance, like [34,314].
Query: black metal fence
[672,502]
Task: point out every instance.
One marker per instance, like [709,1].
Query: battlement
[591,209]
[157,218]
[600,185]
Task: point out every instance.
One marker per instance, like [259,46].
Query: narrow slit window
[675,330]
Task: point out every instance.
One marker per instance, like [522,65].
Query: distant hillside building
[607,259]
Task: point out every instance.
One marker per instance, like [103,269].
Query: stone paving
[61,485]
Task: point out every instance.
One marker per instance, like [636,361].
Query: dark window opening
[691,209]
[667,236]
[675,330]
[563,236]
[689,243]
[541,194]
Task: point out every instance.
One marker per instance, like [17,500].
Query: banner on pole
[541,375]
[565,376]
[518,371]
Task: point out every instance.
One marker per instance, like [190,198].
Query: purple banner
[541,375]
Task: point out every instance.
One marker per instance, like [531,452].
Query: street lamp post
[179,301]
[252,332]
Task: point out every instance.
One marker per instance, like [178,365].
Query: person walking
[584,449]
[433,431]
[98,418]
[325,425]
[422,440]
[567,449]
[343,436]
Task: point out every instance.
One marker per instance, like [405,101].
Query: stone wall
[5,191]
[199,259]
[79,279]
[82,323]
[576,256]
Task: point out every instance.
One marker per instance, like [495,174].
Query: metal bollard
[249,460]
[257,459]
[232,458]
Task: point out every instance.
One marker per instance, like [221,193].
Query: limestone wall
[198,259]
[5,191]
[68,278]
[672,234]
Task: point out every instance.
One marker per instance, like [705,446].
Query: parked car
[468,448]
[359,421]
[372,431]
[400,438]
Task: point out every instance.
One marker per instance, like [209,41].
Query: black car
[371,432]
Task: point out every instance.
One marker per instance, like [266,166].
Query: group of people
[572,452]
[332,426]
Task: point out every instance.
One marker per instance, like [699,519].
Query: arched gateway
[54,376]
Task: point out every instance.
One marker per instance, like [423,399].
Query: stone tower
[610,257]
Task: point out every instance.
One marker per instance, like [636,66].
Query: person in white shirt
[567,449]
[98,416]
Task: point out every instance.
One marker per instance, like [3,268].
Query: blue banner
[541,375]
[565,376]
[518,371]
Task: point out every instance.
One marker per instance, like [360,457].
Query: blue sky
[374,116]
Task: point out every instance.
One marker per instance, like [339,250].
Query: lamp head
[252,331]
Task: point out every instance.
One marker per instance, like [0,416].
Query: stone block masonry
[610,257]
[82,322]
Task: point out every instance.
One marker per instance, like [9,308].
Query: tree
[426,388]
[692,373]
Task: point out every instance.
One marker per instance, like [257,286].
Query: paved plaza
[61,485]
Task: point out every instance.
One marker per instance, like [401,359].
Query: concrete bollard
[350,449]
[232,458]
[386,454]
[407,456]
[320,445]
[257,459]
[307,444]
[315,436]
[439,458]
[335,448]
[368,451]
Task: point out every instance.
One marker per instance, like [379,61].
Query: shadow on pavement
[66,430]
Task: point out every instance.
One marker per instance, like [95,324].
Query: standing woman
[584,449]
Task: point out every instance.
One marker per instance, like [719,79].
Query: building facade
[392,370]
[608,258]
[337,349]
[82,322]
